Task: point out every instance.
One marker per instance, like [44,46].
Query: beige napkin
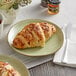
[70,55]
[70,52]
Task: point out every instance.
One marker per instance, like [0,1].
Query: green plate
[16,64]
[51,46]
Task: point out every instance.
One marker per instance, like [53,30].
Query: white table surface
[35,11]
[67,14]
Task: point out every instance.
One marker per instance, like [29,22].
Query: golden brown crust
[34,35]
[30,36]
[7,70]
[48,29]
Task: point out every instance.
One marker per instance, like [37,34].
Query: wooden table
[50,69]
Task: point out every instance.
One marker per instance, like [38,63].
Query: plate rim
[36,55]
[16,59]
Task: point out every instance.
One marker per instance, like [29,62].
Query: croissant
[34,35]
[7,70]
[48,29]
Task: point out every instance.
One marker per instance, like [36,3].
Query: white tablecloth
[35,11]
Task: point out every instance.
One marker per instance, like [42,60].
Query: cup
[1,24]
